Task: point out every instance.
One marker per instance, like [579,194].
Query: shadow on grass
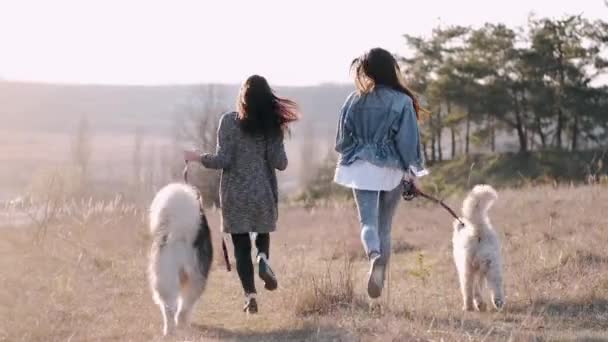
[582,313]
[471,325]
[306,333]
[401,246]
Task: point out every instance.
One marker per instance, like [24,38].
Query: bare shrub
[49,190]
[402,247]
[55,196]
[422,270]
[352,251]
[81,151]
[199,128]
[85,212]
[326,293]
[137,158]
[320,188]
[308,153]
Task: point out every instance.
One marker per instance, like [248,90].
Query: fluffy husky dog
[476,249]
[181,252]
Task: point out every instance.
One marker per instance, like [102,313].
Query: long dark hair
[378,67]
[261,112]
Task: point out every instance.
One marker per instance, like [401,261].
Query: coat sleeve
[276,155]
[222,158]
[407,140]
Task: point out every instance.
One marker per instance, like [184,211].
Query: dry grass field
[85,280]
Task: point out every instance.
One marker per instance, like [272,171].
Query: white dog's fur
[181,253]
[476,249]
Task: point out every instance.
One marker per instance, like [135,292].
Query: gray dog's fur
[181,253]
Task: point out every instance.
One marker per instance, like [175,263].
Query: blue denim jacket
[380,127]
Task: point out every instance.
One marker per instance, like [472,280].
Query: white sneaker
[265,272]
[375,281]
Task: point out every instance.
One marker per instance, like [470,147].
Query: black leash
[410,191]
[224,249]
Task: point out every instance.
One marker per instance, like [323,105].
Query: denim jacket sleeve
[407,140]
[222,157]
[343,135]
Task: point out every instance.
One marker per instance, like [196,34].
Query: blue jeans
[376,211]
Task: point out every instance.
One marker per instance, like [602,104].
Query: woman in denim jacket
[379,144]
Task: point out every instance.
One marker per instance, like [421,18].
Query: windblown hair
[378,67]
[261,112]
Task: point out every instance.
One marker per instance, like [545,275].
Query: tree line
[539,82]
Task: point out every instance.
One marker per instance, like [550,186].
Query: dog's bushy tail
[476,205]
[175,212]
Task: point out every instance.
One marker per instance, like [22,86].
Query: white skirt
[363,175]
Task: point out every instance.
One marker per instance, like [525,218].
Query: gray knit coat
[248,188]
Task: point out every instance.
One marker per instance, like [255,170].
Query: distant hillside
[500,170]
[40,120]
[119,109]
[513,169]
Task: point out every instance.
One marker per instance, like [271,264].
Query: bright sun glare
[291,42]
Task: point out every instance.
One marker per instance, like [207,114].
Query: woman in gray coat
[249,151]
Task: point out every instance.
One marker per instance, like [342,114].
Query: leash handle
[408,190]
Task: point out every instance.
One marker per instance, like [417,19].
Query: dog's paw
[168,332]
[480,306]
[182,320]
[498,303]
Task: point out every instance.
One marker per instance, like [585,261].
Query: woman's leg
[244,266]
[389,200]
[262,243]
[367,205]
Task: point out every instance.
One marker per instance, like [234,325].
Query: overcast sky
[291,42]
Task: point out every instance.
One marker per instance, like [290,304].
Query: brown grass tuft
[86,280]
[324,294]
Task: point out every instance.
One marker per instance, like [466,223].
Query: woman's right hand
[415,181]
[411,177]
[191,155]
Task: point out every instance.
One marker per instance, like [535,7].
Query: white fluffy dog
[476,249]
[181,253]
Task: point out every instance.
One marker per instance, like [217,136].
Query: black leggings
[242,253]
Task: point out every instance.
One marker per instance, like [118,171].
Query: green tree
[425,71]
[568,54]
[540,83]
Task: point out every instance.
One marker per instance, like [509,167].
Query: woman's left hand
[192,155]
